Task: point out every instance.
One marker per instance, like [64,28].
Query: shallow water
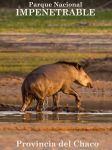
[48,116]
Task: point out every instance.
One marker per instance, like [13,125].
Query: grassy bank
[9,22]
[24,62]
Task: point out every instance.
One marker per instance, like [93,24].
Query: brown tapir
[48,80]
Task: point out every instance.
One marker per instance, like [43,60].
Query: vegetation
[23,62]
[26,61]
[9,22]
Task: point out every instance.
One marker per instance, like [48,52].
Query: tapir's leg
[27,102]
[71,91]
[55,100]
[39,106]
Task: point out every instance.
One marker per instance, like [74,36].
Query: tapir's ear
[78,66]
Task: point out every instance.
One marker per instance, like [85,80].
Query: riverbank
[17,134]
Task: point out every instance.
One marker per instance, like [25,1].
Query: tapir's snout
[89,85]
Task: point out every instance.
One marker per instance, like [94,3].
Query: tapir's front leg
[55,101]
[71,91]
[26,103]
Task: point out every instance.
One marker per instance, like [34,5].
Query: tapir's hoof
[22,110]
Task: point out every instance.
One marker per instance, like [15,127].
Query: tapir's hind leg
[26,103]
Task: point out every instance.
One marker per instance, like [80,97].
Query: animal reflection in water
[54,116]
[48,80]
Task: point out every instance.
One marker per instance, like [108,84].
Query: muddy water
[93,111]
[48,116]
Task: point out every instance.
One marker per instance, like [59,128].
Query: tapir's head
[83,78]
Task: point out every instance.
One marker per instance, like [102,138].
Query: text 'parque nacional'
[55,9]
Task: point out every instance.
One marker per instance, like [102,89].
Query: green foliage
[9,22]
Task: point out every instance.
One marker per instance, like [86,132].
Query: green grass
[24,62]
[9,22]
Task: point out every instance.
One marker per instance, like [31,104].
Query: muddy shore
[72,42]
[57,133]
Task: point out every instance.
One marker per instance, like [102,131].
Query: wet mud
[72,42]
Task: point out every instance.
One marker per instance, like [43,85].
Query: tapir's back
[50,71]
[45,80]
